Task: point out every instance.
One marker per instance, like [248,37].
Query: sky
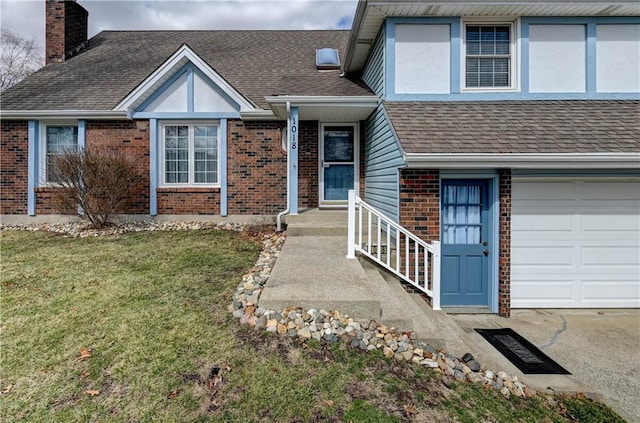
[26,17]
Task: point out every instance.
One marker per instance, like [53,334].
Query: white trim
[324,100]
[42,149]
[161,168]
[182,56]
[258,115]
[366,104]
[62,114]
[525,161]
[356,163]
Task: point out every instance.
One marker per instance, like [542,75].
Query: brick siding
[308,183]
[504,267]
[420,202]
[66,28]
[188,200]
[14,142]
[131,138]
[257,167]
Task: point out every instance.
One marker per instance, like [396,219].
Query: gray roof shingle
[256,63]
[571,126]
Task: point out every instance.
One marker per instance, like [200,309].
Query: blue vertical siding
[373,74]
[383,157]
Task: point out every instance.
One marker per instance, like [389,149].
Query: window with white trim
[488,56]
[56,139]
[190,154]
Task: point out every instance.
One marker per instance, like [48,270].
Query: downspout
[286,211]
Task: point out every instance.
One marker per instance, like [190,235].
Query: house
[508,131]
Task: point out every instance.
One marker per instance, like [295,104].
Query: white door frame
[356,162]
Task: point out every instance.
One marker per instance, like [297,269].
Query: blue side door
[465,241]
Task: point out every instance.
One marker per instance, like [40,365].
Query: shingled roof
[576,126]
[255,63]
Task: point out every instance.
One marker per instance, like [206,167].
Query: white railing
[376,236]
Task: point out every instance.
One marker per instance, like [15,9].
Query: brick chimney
[66,29]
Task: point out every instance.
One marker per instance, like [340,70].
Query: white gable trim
[165,71]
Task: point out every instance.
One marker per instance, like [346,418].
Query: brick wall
[420,202]
[308,165]
[256,169]
[14,143]
[131,138]
[76,26]
[47,201]
[504,267]
[188,200]
[66,25]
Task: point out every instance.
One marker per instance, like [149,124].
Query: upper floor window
[488,56]
[190,154]
[58,139]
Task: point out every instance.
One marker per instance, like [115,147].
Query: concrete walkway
[601,348]
[313,272]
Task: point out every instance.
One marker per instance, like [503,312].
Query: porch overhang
[524,161]
[325,108]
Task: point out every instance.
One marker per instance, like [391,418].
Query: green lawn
[151,308]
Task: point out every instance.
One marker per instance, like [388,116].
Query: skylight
[327,58]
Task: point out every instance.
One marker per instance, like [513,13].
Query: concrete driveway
[601,348]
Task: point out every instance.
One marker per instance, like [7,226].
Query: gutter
[62,114]
[355,100]
[355,33]
[286,211]
[629,160]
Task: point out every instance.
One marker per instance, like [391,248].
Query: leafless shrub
[94,183]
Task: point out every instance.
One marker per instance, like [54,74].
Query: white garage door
[575,243]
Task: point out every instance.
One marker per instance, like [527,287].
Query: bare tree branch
[20,58]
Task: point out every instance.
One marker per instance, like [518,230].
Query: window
[488,56]
[461,214]
[58,139]
[190,154]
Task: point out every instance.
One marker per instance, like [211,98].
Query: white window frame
[43,149]
[163,163]
[513,25]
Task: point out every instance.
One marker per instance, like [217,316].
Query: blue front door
[465,241]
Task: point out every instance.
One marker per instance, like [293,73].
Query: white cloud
[27,16]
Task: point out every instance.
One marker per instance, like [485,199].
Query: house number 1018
[294,133]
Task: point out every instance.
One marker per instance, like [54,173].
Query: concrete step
[317,215]
[317,229]
[313,272]
[315,222]
[411,312]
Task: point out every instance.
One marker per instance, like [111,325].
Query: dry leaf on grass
[410,409]
[327,403]
[92,392]
[7,389]
[84,375]
[84,354]
[173,394]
